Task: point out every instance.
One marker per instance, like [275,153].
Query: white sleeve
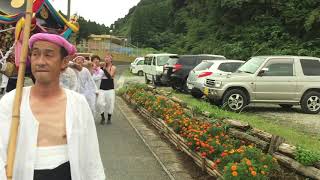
[5,122]
[94,167]
[91,84]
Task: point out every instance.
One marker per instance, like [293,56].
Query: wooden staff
[17,99]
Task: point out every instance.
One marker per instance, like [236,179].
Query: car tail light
[204,74]
[177,67]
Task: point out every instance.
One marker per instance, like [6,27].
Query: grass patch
[292,135]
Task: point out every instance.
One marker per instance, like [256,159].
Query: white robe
[69,79]
[83,146]
[4,81]
[87,87]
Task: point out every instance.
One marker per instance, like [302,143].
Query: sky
[101,11]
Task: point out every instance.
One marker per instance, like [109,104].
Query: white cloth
[4,81]
[51,157]
[69,79]
[83,146]
[106,99]
[87,87]
[97,76]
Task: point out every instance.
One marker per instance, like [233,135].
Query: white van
[137,65]
[153,67]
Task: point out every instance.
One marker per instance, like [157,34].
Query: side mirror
[262,71]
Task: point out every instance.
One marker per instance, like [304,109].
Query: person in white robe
[87,86]
[57,137]
[69,79]
[4,82]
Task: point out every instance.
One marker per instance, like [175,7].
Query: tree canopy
[235,28]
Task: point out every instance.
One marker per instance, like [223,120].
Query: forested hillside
[235,28]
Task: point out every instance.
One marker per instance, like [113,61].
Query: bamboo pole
[17,99]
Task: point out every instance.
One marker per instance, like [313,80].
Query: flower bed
[206,142]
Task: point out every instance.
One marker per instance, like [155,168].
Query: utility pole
[69,5]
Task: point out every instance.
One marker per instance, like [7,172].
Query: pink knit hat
[56,39]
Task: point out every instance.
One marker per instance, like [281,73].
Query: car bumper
[195,84]
[213,93]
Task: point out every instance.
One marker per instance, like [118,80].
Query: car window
[203,66]
[229,67]
[310,67]
[252,65]
[162,60]
[140,62]
[187,60]
[172,61]
[279,67]
[147,60]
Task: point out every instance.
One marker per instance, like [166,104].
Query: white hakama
[105,102]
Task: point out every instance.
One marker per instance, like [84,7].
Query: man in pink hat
[57,137]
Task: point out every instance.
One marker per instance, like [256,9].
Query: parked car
[283,80]
[209,68]
[153,67]
[177,69]
[137,65]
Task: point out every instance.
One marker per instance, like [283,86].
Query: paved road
[124,154]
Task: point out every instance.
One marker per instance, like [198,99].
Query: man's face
[46,62]
[79,60]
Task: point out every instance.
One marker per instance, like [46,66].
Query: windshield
[252,65]
[162,60]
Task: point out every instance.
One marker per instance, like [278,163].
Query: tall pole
[17,99]
[69,5]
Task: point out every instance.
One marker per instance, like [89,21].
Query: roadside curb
[124,106]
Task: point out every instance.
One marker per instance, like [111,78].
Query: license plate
[206,91]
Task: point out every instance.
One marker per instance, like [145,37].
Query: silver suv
[283,80]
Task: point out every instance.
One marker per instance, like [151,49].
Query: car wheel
[146,80]
[140,73]
[196,93]
[310,103]
[286,106]
[235,100]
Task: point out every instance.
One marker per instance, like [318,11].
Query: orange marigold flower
[253,173]
[248,162]
[233,168]
[234,173]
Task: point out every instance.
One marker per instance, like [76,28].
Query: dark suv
[177,69]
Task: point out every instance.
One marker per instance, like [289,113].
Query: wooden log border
[274,145]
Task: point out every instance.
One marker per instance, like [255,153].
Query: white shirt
[97,76]
[83,146]
[69,79]
[87,84]
[87,87]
